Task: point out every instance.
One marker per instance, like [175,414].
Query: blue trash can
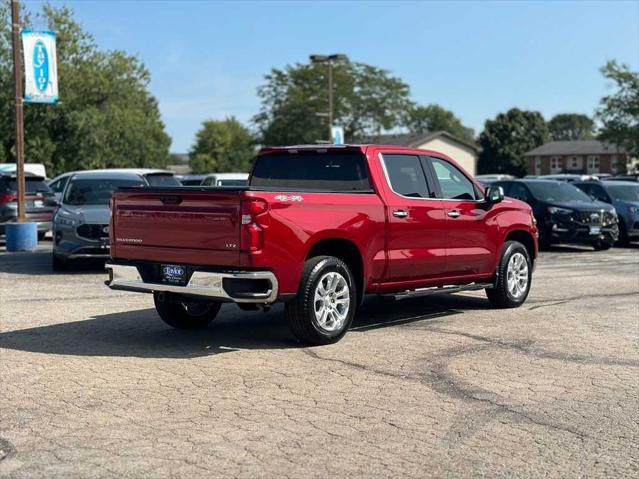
[21,236]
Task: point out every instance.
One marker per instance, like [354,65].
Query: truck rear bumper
[238,286]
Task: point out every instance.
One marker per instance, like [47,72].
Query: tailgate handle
[171,199]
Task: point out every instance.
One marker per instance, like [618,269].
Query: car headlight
[554,210]
[632,210]
[610,217]
[67,218]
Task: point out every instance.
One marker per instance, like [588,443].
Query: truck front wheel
[186,314]
[514,275]
[325,305]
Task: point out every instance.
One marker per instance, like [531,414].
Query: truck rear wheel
[325,305]
[186,314]
[514,275]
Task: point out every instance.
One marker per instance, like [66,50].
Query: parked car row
[585,212]
[489,179]
[81,223]
[75,204]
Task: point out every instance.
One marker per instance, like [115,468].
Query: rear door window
[309,170]
[406,175]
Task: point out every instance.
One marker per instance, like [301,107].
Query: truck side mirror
[494,194]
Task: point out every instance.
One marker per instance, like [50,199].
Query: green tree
[222,147]
[106,116]
[507,138]
[423,119]
[367,101]
[619,112]
[571,127]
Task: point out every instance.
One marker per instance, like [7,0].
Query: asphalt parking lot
[93,384]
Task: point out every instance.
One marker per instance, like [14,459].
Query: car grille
[589,217]
[595,218]
[92,231]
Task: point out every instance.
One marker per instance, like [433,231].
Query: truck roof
[351,146]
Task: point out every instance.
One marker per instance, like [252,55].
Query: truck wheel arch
[525,238]
[348,252]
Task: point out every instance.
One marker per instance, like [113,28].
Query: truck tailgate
[152,221]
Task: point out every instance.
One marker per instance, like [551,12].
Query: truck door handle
[400,214]
[454,214]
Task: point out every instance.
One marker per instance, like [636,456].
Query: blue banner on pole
[40,66]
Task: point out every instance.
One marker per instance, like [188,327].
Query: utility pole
[17,89]
[330,101]
[329,60]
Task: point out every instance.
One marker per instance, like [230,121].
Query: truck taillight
[252,237]
[7,198]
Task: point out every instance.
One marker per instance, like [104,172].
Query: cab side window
[58,186]
[519,192]
[598,193]
[453,183]
[406,175]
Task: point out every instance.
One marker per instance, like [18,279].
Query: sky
[478,59]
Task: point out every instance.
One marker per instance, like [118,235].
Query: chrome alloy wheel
[517,275]
[331,301]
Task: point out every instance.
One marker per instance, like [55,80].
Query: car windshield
[162,179]
[94,191]
[624,192]
[558,191]
[231,183]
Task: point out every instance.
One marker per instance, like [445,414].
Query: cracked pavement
[93,384]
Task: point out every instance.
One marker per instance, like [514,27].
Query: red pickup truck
[317,228]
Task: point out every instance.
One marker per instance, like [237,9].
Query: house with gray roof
[580,157]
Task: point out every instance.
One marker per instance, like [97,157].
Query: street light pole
[329,59]
[330,101]
[19,108]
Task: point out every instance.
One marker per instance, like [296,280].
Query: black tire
[58,263]
[186,314]
[623,235]
[544,244]
[500,296]
[602,246]
[300,312]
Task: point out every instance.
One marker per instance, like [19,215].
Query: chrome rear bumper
[202,284]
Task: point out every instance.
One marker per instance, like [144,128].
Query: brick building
[581,157]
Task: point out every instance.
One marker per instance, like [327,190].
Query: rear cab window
[34,184]
[162,179]
[342,172]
